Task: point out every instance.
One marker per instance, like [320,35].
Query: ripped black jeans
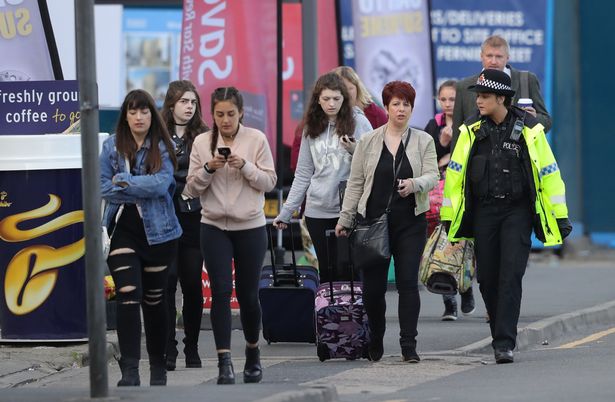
[140,272]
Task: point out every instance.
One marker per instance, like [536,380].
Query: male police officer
[501,181]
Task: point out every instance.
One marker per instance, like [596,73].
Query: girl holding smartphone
[332,127]
[232,191]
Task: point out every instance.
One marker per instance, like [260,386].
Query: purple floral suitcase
[341,321]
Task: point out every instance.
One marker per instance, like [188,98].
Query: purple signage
[38,107]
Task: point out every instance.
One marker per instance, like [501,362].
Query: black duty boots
[130,373]
[226,375]
[252,371]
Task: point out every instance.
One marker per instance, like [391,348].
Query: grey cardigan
[421,153]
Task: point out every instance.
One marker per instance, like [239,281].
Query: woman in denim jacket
[145,236]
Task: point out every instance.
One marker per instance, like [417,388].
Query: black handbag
[189,205]
[370,238]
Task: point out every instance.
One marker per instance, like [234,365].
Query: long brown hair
[125,142]
[196,125]
[316,120]
[231,94]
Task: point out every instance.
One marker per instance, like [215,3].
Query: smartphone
[224,151]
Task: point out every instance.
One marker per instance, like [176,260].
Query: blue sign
[459,28]
[38,107]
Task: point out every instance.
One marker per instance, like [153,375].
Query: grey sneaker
[467,302]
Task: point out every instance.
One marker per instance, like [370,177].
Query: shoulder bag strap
[397,170]
[121,208]
[525,85]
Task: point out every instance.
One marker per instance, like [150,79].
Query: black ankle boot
[252,371]
[157,371]
[409,354]
[226,375]
[130,373]
[193,360]
[375,349]
[172,356]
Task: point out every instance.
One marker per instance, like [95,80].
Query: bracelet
[244,163]
[208,170]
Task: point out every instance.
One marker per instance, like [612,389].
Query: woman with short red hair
[372,190]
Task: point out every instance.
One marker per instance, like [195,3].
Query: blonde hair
[497,42]
[363,96]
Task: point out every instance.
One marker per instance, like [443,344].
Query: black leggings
[140,275]
[247,248]
[407,245]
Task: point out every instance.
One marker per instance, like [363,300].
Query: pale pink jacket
[233,199]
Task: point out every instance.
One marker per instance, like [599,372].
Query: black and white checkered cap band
[484,82]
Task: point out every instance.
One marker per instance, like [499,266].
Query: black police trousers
[502,232]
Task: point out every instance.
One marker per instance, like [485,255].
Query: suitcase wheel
[322,351]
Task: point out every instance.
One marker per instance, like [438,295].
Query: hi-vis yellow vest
[550,200]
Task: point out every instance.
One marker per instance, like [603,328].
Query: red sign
[292,72]
[206,286]
[233,43]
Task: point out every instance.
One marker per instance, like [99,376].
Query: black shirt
[383,186]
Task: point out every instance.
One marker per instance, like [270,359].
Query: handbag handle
[121,208]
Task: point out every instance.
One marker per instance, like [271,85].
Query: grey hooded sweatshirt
[323,162]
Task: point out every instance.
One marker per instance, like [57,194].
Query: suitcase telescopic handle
[330,234]
[294,258]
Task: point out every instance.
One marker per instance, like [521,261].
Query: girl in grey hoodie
[332,128]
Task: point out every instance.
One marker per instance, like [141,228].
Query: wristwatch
[207,169]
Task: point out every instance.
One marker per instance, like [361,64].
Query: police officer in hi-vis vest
[501,182]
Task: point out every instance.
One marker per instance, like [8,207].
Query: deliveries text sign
[38,107]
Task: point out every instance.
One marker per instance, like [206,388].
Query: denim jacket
[151,192]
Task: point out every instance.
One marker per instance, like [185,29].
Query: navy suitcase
[341,320]
[286,294]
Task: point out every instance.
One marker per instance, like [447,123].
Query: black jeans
[140,274]
[407,242]
[187,267]
[502,245]
[247,248]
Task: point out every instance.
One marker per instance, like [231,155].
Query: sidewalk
[559,297]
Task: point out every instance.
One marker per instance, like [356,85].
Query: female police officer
[502,180]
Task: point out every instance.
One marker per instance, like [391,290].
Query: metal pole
[279,249]
[90,179]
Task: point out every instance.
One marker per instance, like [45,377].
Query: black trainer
[450,310]
[467,302]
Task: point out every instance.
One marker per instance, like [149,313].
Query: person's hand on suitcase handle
[278,224]
[341,231]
